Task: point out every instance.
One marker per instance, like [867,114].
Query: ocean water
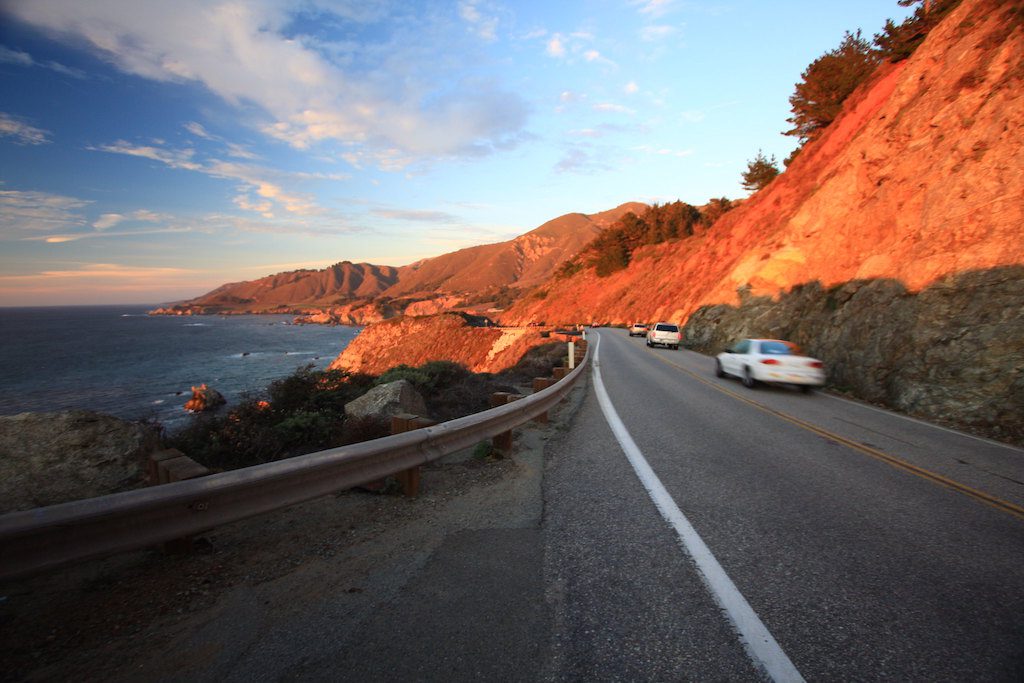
[120,361]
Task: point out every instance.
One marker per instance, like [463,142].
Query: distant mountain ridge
[523,261]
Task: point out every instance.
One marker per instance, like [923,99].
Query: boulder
[50,458]
[386,400]
[204,398]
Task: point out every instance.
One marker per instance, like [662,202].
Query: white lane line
[761,647]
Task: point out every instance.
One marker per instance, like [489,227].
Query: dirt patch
[148,614]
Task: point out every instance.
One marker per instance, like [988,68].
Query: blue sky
[150,151]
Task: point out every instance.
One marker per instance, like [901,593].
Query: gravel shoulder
[279,596]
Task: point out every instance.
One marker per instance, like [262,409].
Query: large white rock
[386,400]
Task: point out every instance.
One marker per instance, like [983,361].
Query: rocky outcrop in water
[953,352]
[50,458]
[203,399]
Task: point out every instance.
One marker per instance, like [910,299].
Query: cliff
[918,179]
[414,341]
[891,247]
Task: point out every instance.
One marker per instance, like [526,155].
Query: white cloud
[612,107]
[556,46]
[654,8]
[32,212]
[107,220]
[390,90]
[656,32]
[482,26]
[21,132]
[631,88]
[9,56]
[419,216]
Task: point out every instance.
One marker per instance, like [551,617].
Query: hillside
[524,261]
[914,192]
[343,281]
[348,292]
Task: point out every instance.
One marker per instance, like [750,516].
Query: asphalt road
[870,546]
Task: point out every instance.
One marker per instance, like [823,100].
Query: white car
[637,329]
[665,334]
[770,360]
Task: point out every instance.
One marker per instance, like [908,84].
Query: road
[869,546]
[667,526]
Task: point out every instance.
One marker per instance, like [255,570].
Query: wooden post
[539,384]
[502,442]
[169,466]
[409,479]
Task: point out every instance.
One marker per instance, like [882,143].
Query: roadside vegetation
[305,412]
[613,249]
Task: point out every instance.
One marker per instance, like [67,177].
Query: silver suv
[665,334]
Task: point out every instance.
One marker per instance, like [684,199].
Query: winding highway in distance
[867,545]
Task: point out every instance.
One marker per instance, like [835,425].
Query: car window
[778,348]
[741,346]
[667,328]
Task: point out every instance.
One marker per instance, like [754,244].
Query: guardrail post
[409,479]
[168,466]
[503,441]
[539,384]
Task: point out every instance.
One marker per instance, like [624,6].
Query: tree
[760,172]
[898,41]
[826,84]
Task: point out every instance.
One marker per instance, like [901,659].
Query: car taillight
[816,364]
[770,361]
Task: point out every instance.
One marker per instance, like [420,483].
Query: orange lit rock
[204,398]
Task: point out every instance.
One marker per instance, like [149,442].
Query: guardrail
[47,537]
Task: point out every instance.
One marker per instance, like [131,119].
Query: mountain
[892,246]
[343,281]
[521,262]
[346,292]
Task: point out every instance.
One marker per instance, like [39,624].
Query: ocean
[120,361]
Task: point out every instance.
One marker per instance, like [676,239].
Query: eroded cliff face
[892,248]
[414,341]
[920,178]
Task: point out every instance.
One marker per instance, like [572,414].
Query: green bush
[896,42]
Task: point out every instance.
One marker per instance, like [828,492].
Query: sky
[151,151]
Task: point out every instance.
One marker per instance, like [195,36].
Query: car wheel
[748,380]
[719,372]
[648,343]
[676,347]
[806,388]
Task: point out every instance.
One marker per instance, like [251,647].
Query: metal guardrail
[47,537]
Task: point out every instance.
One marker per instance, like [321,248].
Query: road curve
[871,546]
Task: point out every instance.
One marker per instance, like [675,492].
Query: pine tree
[827,82]
[760,172]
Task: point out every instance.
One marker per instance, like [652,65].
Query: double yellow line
[998,503]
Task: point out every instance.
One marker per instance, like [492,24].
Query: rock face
[50,458]
[204,398]
[916,188]
[387,400]
[449,336]
[893,346]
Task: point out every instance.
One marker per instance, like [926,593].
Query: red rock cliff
[414,341]
[920,178]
